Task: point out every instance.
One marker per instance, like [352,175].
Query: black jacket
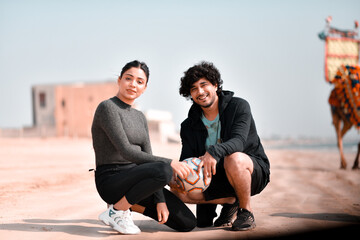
[238,132]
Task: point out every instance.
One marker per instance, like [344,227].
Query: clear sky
[267,52]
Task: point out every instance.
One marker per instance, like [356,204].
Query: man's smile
[203,97]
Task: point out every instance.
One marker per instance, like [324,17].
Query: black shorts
[220,186]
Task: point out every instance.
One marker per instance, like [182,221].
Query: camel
[342,70]
[345,106]
[342,126]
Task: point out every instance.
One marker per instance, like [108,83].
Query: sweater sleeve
[239,133]
[110,121]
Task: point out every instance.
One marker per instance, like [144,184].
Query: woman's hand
[181,169]
[163,212]
[174,186]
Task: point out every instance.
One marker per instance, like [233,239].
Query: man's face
[203,93]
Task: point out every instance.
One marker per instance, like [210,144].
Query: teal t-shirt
[214,129]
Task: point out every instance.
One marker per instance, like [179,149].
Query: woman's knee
[181,218]
[163,171]
[184,223]
[188,225]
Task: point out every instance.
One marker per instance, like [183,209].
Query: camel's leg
[341,150]
[346,126]
[337,125]
[356,163]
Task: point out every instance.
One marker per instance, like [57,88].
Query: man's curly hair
[205,70]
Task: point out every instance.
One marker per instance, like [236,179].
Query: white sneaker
[102,217]
[120,221]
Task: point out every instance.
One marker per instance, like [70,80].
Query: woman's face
[131,85]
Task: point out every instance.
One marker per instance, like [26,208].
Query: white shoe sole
[116,227]
[110,222]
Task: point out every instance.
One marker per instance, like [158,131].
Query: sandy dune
[47,192]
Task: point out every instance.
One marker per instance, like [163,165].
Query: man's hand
[209,164]
[163,212]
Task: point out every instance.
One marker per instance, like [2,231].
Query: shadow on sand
[349,228]
[83,227]
[336,217]
[73,227]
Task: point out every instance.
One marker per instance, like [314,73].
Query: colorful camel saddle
[346,93]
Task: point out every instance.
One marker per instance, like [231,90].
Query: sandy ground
[47,192]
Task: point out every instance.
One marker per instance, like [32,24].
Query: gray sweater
[120,135]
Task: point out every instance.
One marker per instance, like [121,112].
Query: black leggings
[138,183]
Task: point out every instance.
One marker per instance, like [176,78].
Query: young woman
[127,175]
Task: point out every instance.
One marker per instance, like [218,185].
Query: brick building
[68,109]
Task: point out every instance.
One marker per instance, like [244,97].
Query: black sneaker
[245,221]
[227,215]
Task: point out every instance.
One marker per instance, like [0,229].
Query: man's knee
[238,162]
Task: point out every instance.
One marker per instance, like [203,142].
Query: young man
[220,130]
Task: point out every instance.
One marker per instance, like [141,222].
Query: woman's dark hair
[205,70]
[136,64]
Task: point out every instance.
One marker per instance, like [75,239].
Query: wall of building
[75,106]
[161,126]
[43,99]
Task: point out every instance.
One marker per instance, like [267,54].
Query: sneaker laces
[244,215]
[128,216]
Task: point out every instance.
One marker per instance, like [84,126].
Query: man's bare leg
[199,198]
[239,167]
